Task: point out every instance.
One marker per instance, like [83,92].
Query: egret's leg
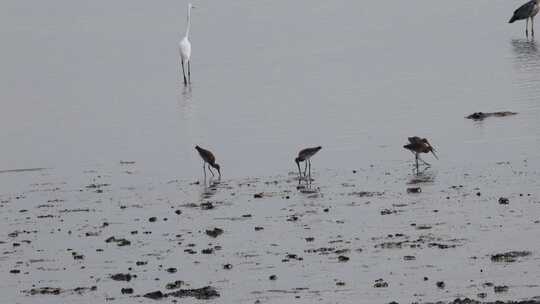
[527,27]
[183,72]
[189,70]
[210,168]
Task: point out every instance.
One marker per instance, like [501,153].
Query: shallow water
[92,84]
[84,86]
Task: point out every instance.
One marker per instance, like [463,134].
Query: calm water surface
[90,84]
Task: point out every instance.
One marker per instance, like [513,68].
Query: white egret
[185,47]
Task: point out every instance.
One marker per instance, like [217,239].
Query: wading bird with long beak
[185,48]
[305,156]
[527,11]
[210,159]
[419,145]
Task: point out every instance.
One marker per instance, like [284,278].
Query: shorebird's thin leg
[183,72]
[305,168]
[416,157]
[527,27]
[189,70]
[310,169]
[532,26]
[210,168]
[299,171]
[204,169]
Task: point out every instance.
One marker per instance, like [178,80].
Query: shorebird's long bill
[433,152]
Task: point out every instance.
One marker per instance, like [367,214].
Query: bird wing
[414,139]
[524,11]
[185,49]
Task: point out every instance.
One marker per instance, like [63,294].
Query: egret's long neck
[188,22]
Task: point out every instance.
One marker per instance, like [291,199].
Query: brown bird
[419,145]
[305,156]
[210,159]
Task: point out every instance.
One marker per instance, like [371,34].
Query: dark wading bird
[419,145]
[305,156]
[527,11]
[208,158]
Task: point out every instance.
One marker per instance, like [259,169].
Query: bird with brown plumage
[419,145]
[305,156]
[208,158]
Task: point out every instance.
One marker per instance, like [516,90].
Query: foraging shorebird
[305,156]
[527,11]
[210,159]
[419,145]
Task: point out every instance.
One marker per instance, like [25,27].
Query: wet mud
[388,236]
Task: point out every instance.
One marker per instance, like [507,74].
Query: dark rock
[273,277]
[207,206]
[409,258]
[15,271]
[258,195]
[171,270]
[227,266]
[510,256]
[174,285]
[343,258]
[502,288]
[380,283]
[155,295]
[121,277]
[204,293]
[152,219]
[482,115]
[207,251]
[504,201]
[414,190]
[126,290]
[214,232]
[440,284]
[258,228]
[178,212]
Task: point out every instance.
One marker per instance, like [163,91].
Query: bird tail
[514,18]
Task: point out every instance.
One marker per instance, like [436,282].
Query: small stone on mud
[174,285]
[272,277]
[152,219]
[15,271]
[504,201]
[414,190]
[343,258]
[258,228]
[207,206]
[178,212]
[171,270]
[409,258]
[155,295]
[258,195]
[380,283]
[121,277]
[207,251]
[214,232]
[227,266]
[440,284]
[502,288]
[510,256]
[126,290]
